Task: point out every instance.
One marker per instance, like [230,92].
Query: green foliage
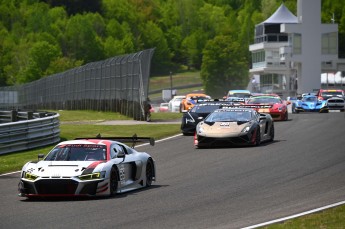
[224,66]
[78,32]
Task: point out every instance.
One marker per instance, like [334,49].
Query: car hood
[223,128]
[61,168]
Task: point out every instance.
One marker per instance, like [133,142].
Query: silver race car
[234,126]
[101,166]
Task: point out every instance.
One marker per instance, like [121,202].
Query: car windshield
[264,100]
[199,97]
[309,99]
[239,95]
[77,152]
[229,116]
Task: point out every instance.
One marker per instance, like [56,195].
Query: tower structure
[290,52]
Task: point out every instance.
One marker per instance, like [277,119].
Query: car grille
[223,141]
[56,186]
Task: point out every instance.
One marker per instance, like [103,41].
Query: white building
[290,52]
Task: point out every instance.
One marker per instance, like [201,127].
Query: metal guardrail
[40,131]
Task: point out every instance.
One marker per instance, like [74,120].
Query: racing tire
[271,133]
[286,116]
[257,137]
[149,173]
[113,180]
[342,110]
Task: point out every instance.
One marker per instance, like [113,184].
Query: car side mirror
[121,155]
[40,156]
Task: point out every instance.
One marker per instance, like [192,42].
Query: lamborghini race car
[310,103]
[101,166]
[191,99]
[234,126]
[272,105]
[191,118]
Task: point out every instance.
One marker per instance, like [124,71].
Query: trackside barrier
[29,134]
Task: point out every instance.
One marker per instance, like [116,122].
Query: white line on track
[295,216]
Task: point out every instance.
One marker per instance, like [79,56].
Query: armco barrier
[29,134]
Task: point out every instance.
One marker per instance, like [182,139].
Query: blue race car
[310,103]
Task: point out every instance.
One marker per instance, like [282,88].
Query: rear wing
[134,139]
[253,106]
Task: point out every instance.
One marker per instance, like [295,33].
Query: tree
[224,66]
[81,39]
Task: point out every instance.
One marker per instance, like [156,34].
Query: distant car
[238,95]
[89,167]
[175,102]
[310,103]
[234,126]
[335,98]
[191,99]
[272,105]
[191,118]
[163,107]
[324,94]
[336,103]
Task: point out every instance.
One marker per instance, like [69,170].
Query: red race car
[270,104]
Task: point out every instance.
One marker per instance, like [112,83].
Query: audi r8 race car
[191,118]
[310,103]
[234,126]
[101,166]
[191,99]
[272,105]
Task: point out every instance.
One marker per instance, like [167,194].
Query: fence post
[14,117]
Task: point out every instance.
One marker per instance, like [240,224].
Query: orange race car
[191,99]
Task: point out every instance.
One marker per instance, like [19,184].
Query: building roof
[281,15]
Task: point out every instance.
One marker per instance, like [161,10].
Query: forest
[39,38]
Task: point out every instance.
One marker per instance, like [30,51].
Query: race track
[302,169]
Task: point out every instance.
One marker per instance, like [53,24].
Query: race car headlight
[200,130]
[92,176]
[30,176]
[246,129]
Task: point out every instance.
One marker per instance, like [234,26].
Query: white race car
[101,166]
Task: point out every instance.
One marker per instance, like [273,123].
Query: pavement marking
[296,215]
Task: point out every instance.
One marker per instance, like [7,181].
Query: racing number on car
[122,173]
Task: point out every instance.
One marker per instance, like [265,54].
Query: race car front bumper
[61,187]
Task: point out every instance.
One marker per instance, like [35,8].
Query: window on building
[329,43]
[258,56]
[297,43]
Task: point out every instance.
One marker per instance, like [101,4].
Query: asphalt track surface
[302,169]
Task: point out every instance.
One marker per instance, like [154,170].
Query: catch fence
[118,84]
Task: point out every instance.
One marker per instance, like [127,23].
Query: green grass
[332,218]
[89,115]
[178,79]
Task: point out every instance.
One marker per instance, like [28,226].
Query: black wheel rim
[113,182]
[149,173]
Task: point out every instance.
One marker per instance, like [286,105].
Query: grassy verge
[330,218]
[15,161]
[178,79]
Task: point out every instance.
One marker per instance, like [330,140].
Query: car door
[127,167]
